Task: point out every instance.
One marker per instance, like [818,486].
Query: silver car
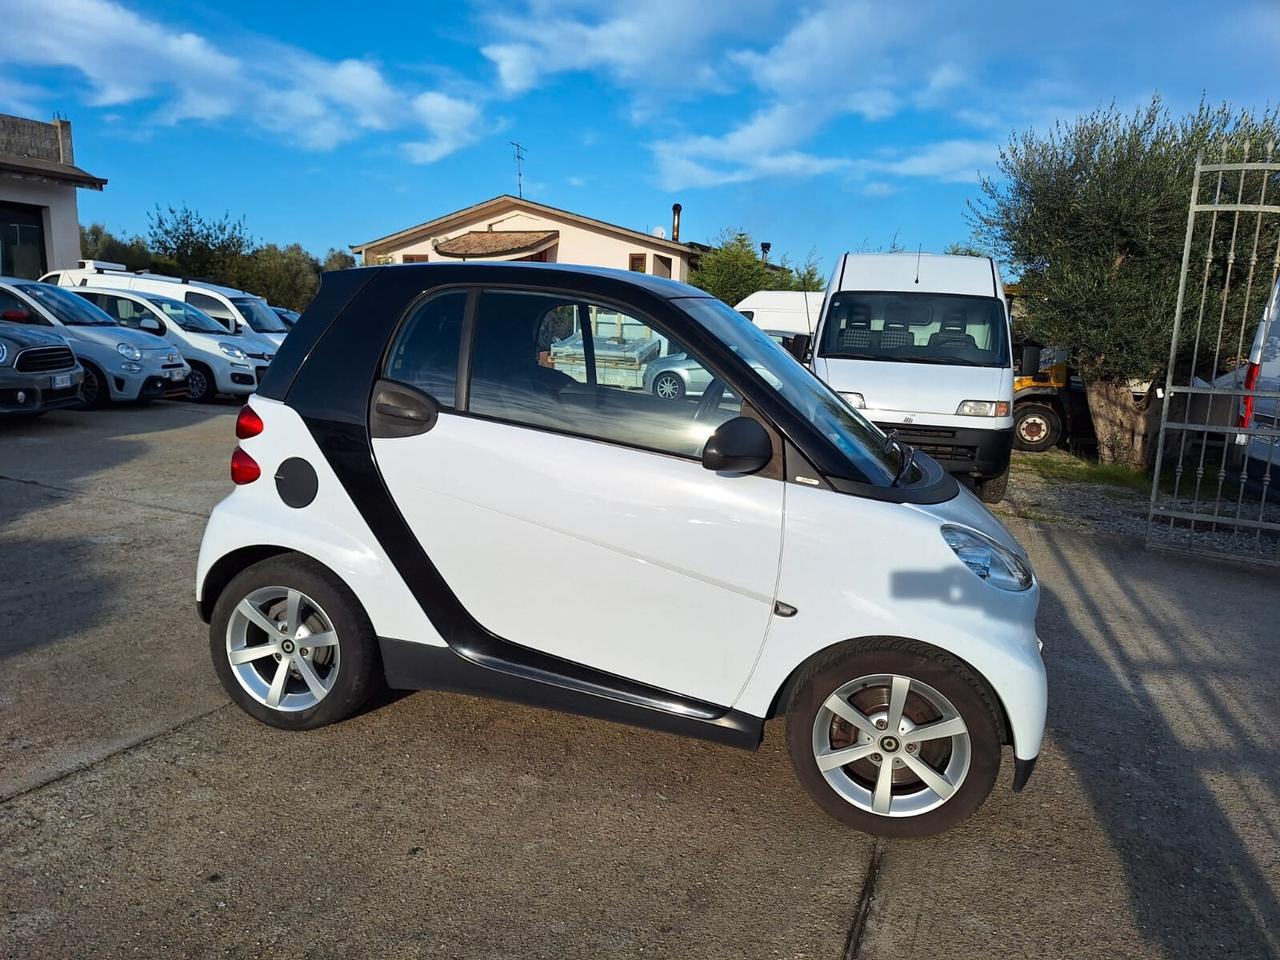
[677,375]
[119,363]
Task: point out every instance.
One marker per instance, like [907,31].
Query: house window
[637,263]
[661,266]
[414,258]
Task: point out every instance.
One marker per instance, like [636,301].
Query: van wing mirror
[740,445]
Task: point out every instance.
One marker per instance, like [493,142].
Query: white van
[921,343]
[221,362]
[234,309]
[786,311]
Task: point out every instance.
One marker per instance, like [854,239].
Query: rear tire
[1036,427]
[668,386]
[862,679]
[341,671]
[992,489]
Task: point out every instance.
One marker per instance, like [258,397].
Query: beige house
[39,222]
[512,228]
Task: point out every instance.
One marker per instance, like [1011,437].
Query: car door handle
[397,410]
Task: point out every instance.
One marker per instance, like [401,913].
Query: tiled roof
[495,243]
[50,170]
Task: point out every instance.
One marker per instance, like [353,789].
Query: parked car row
[98,334]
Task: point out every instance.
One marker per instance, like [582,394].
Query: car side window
[590,369]
[210,305]
[425,353]
[123,311]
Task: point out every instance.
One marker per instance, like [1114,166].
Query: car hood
[24,335]
[109,336]
[914,387]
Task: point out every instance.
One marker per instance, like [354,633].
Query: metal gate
[1216,489]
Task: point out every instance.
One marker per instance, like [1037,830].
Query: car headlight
[234,352]
[128,351]
[983,408]
[855,400]
[4,353]
[992,562]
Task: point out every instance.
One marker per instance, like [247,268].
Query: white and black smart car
[433,493]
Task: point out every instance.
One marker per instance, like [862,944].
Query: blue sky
[820,126]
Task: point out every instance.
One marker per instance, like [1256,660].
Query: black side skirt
[523,675]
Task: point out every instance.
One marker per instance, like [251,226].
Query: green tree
[285,276]
[197,247]
[1091,217]
[964,250]
[337,260]
[733,270]
[808,276]
[99,243]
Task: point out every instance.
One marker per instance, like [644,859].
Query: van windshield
[937,328]
[858,439]
[260,316]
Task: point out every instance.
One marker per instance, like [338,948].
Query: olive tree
[733,270]
[1091,217]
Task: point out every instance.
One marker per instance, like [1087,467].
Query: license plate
[60,381]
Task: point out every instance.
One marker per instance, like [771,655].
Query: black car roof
[659,286]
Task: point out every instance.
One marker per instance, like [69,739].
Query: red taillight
[248,424]
[1250,382]
[244,469]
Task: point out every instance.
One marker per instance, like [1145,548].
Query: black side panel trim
[417,666]
[1022,770]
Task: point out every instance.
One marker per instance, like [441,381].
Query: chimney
[675,222]
[63,128]
[765,247]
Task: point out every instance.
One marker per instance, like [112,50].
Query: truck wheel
[1036,427]
[992,489]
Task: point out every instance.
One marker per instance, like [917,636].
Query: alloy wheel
[667,386]
[283,648]
[891,745]
[197,384]
[90,388]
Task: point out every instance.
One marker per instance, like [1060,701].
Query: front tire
[200,384]
[893,737]
[95,392]
[292,645]
[668,386]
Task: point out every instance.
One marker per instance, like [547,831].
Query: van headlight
[234,352]
[983,408]
[855,400]
[128,351]
[996,564]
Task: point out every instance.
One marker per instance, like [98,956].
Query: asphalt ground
[142,815]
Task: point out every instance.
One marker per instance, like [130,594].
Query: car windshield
[854,436]
[916,328]
[66,306]
[259,316]
[188,317]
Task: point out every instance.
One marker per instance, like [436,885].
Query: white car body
[787,311]
[239,311]
[132,364]
[600,576]
[234,362]
[922,399]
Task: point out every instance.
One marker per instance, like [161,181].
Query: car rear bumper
[965,451]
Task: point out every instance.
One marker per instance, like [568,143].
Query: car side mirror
[15,316]
[798,345]
[150,325]
[740,445]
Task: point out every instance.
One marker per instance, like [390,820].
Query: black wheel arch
[226,567]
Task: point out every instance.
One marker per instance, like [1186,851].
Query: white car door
[575,517]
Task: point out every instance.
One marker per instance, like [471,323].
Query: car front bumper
[34,392]
[152,382]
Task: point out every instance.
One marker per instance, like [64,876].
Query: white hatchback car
[220,362]
[424,498]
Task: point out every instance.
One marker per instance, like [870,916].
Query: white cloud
[951,161]
[127,58]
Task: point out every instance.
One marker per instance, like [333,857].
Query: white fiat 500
[433,493]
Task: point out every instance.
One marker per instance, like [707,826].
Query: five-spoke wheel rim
[197,384]
[891,745]
[283,649]
[667,386]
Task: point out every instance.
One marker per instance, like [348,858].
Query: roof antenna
[919,248]
[519,168]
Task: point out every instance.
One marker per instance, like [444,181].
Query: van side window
[425,354]
[589,369]
[210,305]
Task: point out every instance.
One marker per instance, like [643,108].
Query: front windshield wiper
[908,461]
